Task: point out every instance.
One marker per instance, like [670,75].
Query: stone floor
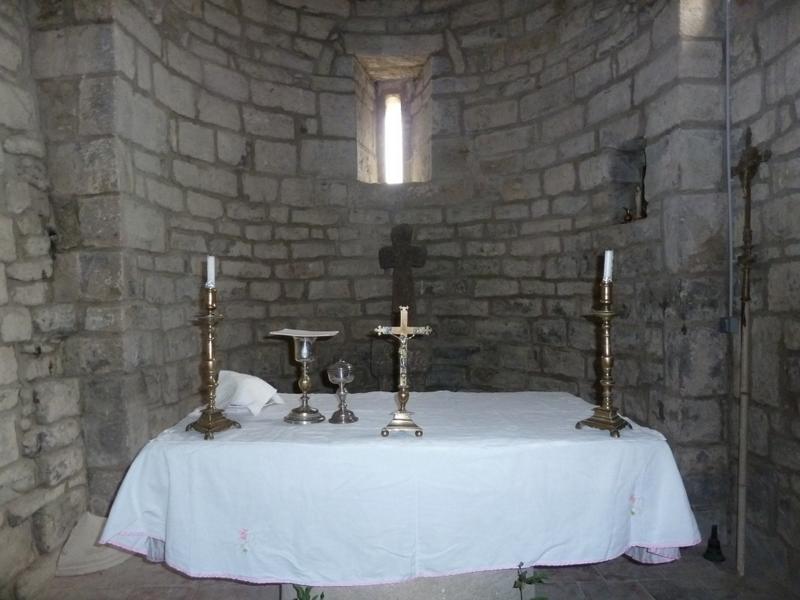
[691,578]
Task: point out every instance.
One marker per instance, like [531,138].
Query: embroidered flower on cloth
[635,503]
[243,539]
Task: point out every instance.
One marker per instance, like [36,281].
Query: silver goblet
[339,374]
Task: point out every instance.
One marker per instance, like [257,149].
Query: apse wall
[180,128]
[183,128]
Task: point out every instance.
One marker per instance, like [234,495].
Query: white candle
[608,265]
[211,279]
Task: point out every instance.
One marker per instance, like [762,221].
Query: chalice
[339,374]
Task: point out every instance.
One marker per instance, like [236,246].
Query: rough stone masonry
[138,136]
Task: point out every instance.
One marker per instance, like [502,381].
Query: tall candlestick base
[212,420]
[606,415]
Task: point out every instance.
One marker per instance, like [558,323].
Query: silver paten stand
[401,419]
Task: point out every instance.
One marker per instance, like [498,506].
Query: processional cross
[746,169]
[401,419]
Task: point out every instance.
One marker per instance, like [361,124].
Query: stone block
[3,285]
[16,551]
[697,361]
[327,290]
[8,250]
[693,228]
[9,398]
[746,97]
[218,111]
[496,288]
[221,19]
[27,504]
[16,107]
[54,522]
[56,399]
[85,167]
[553,96]
[204,206]
[288,98]
[502,142]
[177,93]
[79,50]
[338,114]
[10,54]
[765,338]
[783,287]
[196,141]
[8,365]
[420,45]
[30,270]
[185,63]
[779,30]
[273,125]
[225,82]
[328,158]
[610,102]
[786,174]
[267,291]
[689,420]
[58,100]
[559,179]
[33,582]
[490,116]
[130,17]
[15,324]
[685,102]
[148,124]
[45,438]
[210,179]
[275,157]
[32,294]
[59,465]
[143,226]
[9,446]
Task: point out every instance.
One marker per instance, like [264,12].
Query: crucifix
[402,256]
[401,419]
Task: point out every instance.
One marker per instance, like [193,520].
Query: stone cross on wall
[402,256]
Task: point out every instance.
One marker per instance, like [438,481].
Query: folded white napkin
[239,390]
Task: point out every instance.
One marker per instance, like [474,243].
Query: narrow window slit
[393,139]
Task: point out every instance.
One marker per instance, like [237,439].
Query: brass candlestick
[212,420]
[605,415]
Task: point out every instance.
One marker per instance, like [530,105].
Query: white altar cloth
[497,479]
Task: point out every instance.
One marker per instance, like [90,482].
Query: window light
[393,140]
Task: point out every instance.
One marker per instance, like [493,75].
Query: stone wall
[42,472]
[766,88]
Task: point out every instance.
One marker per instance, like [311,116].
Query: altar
[497,479]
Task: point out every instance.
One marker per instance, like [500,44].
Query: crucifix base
[402,421]
[605,419]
